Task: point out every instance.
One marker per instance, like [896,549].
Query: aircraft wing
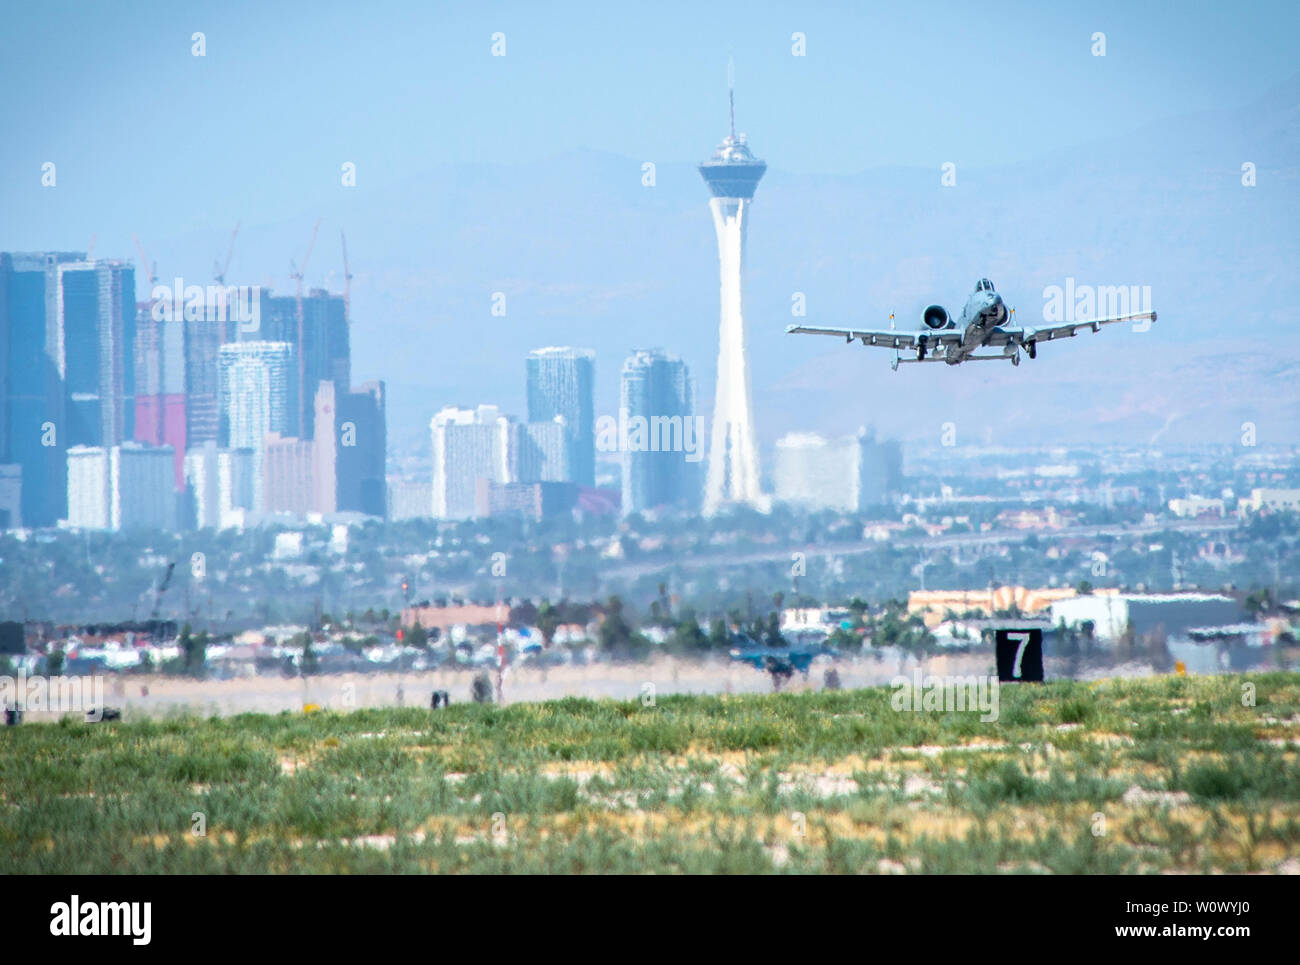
[883,337]
[1055,330]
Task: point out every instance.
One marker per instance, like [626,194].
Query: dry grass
[1072,778]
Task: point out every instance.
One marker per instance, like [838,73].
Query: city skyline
[96,388]
[257,459]
[128,376]
[856,153]
[534,452]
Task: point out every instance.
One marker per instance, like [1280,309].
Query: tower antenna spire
[731,94]
[732,175]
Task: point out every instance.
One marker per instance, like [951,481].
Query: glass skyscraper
[561,382]
[656,402]
[33,433]
[97,321]
[67,367]
[324,353]
[259,394]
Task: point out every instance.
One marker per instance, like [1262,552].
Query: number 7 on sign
[1023,639]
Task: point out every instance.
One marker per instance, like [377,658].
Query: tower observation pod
[732,175]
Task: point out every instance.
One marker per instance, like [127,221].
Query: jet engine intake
[936,317]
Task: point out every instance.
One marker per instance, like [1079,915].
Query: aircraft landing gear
[1015,359]
[1032,349]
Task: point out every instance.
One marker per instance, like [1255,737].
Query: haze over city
[478,174]
[708,439]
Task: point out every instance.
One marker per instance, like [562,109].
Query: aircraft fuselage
[984,312]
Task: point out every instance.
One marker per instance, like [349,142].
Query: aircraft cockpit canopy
[984,285]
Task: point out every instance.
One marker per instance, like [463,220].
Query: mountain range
[586,253]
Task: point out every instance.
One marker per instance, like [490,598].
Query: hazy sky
[149,138]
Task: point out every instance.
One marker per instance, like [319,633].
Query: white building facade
[130,486]
[468,444]
[220,483]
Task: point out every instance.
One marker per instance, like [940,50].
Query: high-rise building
[362,433]
[235,484]
[88,493]
[142,486]
[6,274]
[847,475]
[36,312]
[409,499]
[322,348]
[11,496]
[350,456]
[97,315]
[160,409]
[363,478]
[130,486]
[258,392]
[219,484]
[816,473]
[468,444]
[287,475]
[534,500]
[881,474]
[325,450]
[33,430]
[202,340]
[561,383]
[539,451]
[732,175]
[657,417]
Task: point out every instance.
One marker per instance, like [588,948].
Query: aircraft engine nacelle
[936,317]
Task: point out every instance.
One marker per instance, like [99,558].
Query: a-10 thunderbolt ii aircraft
[985,322]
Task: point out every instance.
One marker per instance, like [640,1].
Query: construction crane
[144,263]
[162,588]
[219,269]
[347,280]
[296,274]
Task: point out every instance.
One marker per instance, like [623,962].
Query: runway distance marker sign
[1020,656]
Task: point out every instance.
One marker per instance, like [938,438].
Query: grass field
[1157,775]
